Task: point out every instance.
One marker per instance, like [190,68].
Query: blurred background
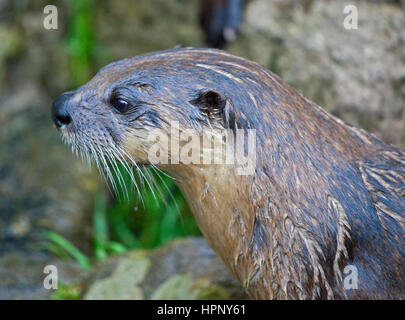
[56,210]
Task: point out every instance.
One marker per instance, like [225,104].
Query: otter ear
[210,103]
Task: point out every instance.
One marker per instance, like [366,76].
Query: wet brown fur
[324,195]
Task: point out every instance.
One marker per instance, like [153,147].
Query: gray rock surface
[183,269]
[358,75]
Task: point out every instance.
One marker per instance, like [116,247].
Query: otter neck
[222,208]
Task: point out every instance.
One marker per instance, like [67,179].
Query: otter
[321,216]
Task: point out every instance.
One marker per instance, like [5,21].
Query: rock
[144,29]
[183,269]
[358,75]
[123,283]
[22,273]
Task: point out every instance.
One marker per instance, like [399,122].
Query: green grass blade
[68,247]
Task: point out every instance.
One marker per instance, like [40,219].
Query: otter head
[112,116]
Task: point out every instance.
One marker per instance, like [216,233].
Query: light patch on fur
[319,276]
[394,155]
[343,235]
[207,190]
[224,73]
[392,182]
[253,81]
[220,53]
[252,97]
[363,135]
[238,66]
[238,231]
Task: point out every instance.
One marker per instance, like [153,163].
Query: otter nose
[60,114]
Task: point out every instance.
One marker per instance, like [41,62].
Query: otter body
[322,216]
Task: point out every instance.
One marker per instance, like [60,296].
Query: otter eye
[120,105]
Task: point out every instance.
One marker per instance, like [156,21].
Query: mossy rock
[182,269]
[183,287]
[123,282]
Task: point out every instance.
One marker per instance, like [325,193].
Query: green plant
[80,41]
[67,292]
[102,245]
[64,248]
[160,216]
